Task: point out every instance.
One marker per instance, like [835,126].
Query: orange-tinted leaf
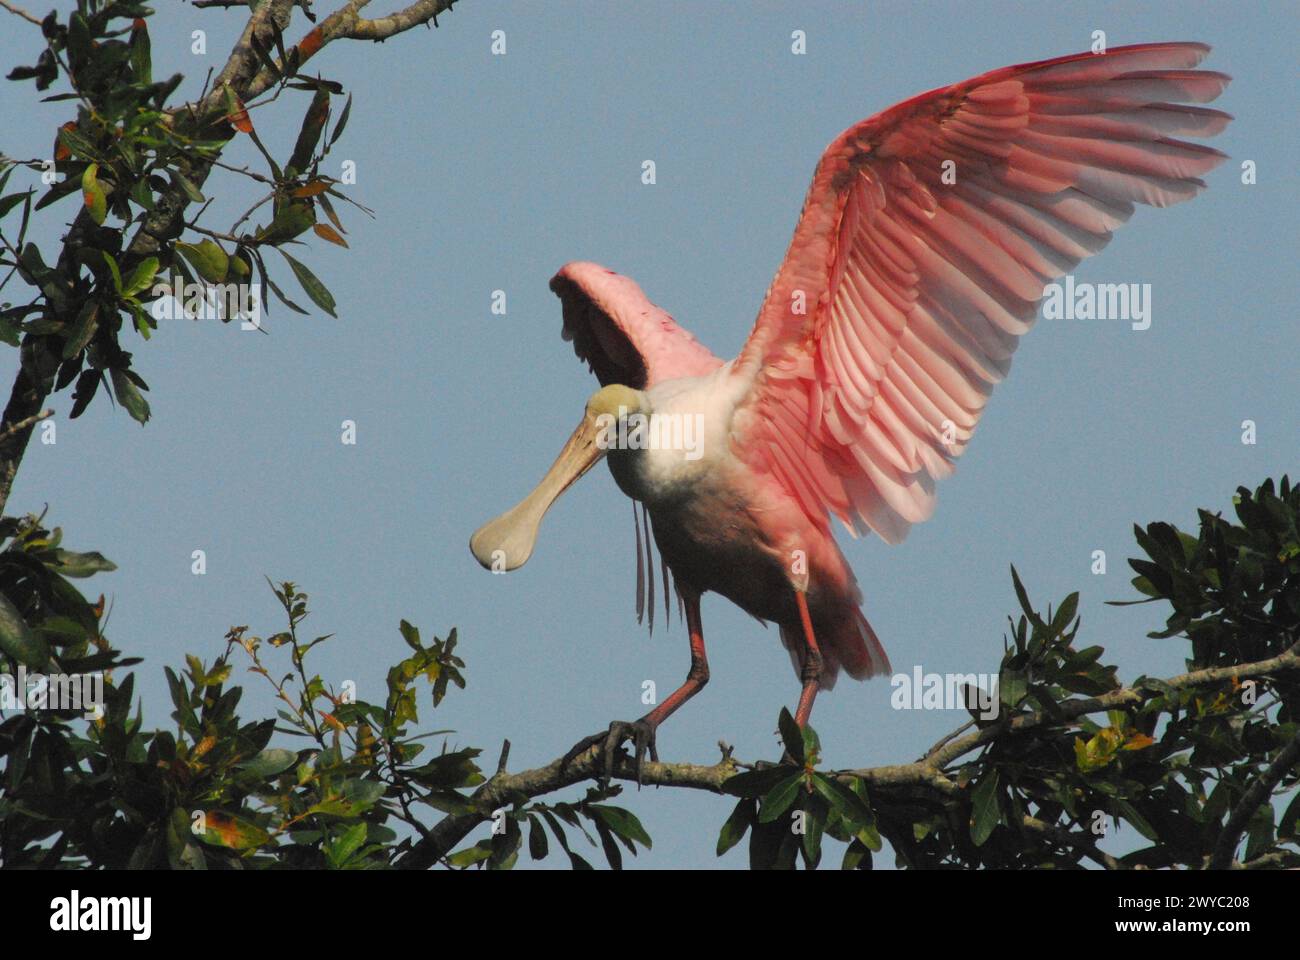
[236,113]
[311,43]
[312,189]
[326,232]
[92,194]
[233,832]
[61,152]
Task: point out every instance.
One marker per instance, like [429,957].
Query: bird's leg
[812,664]
[641,732]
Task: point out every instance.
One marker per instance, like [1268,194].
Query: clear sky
[488,173]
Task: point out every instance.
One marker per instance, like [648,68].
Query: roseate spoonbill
[923,248]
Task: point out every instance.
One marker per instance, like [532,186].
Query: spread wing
[924,245]
[622,335]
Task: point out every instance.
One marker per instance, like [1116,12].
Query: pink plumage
[924,245]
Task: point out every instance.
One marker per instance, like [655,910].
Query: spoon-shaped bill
[506,542]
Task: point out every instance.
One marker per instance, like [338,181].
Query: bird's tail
[860,650]
[850,643]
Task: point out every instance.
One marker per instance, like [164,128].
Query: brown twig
[18,11]
[22,425]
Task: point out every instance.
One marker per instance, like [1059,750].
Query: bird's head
[617,401]
[506,542]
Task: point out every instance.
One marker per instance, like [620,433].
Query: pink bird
[925,243]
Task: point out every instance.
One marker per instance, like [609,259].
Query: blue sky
[488,173]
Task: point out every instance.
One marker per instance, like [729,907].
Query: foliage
[214,792]
[1172,761]
[1040,784]
[337,782]
[135,161]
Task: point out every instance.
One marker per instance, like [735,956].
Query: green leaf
[312,125]
[411,635]
[613,855]
[343,121]
[207,258]
[141,277]
[186,186]
[779,799]
[1013,685]
[340,851]
[92,193]
[852,808]
[268,763]
[755,783]
[83,331]
[113,270]
[83,564]
[11,201]
[289,221]
[1066,613]
[984,809]
[623,822]
[236,833]
[856,857]
[1130,813]
[538,847]
[733,831]
[128,396]
[141,60]
[1259,832]
[315,289]
[471,855]
[814,826]
[791,735]
[18,640]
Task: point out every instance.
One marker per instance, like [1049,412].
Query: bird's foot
[640,733]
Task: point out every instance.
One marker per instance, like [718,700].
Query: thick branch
[926,775]
[346,23]
[505,789]
[381,28]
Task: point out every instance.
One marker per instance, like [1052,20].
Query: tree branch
[1068,838]
[1124,697]
[18,11]
[1254,797]
[27,424]
[928,774]
[381,28]
[246,75]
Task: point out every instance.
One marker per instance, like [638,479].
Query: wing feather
[923,249]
